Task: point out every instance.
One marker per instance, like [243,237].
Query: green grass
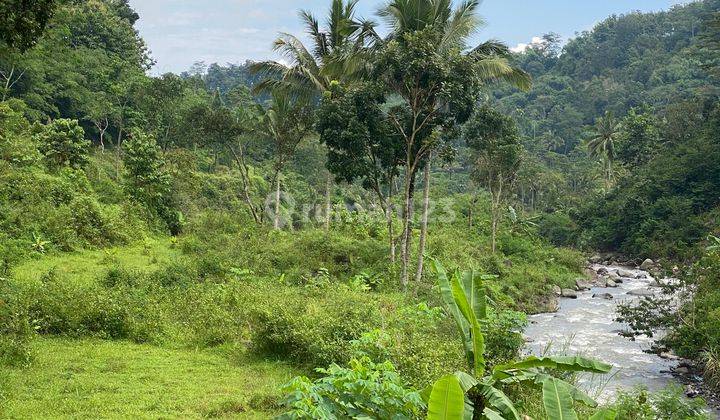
[118,379]
[87,266]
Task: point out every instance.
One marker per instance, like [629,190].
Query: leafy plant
[714,243]
[365,389]
[466,396]
[38,244]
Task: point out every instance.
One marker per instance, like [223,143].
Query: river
[586,326]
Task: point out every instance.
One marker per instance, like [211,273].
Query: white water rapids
[586,326]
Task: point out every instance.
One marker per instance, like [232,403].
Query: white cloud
[536,40]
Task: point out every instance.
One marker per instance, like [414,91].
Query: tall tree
[362,145]
[337,53]
[433,81]
[602,143]
[23,21]
[286,123]
[497,152]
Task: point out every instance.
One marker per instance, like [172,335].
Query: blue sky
[181,32]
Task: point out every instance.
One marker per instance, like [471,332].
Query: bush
[669,404]
[314,331]
[364,389]
[16,328]
[63,143]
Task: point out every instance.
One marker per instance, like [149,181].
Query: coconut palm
[455,26]
[285,124]
[602,143]
[335,54]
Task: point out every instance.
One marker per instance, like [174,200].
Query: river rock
[625,273]
[607,296]
[595,259]
[581,284]
[682,370]
[569,293]
[557,291]
[610,283]
[641,292]
[602,270]
[641,276]
[647,264]
[669,355]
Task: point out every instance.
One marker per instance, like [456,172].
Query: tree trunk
[389,215]
[276,221]
[328,203]
[117,151]
[406,226]
[495,210]
[424,223]
[245,178]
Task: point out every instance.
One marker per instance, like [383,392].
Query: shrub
[314,331]
[16,328]
[148,181]
[63,143]
[364,389]
[669,404]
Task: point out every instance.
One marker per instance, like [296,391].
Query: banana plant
[480,395]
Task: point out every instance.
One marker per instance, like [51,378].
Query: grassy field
[118,379]
[88,265]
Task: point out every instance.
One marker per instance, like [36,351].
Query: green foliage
[17,146]
[668,404]
[363,389]
[446,400]
[658,209]
[24,21]
[558,228]
[63,143]
[16,328]
[316,332]
[148,181]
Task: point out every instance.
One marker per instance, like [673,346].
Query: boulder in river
[613,275]
[607,296]
[647,264]
[569,293]
[557,291]
[581,284]
[641,292]
[610,283]
[625,273]
[595,259]
[602,270]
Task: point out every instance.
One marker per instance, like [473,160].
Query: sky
[182,32]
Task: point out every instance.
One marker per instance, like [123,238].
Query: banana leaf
[557,401]
[447,400]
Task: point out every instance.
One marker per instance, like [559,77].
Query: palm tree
[455,25]
[335,54]
[286,123]
[338,53]
[602,143]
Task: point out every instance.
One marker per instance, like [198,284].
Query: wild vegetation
[251,241]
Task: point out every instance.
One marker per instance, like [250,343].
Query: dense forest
[363,232]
